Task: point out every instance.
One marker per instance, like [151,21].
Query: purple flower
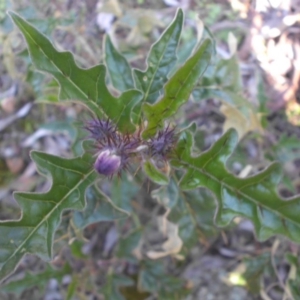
[116,150]
[101,130]
[107,163]
[162,144]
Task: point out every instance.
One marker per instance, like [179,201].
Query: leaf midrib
[57,68]
[19,248]
[156,69]
[201,170]
[167,97]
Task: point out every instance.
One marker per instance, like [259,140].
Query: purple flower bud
[163,142]
[101,130]
[107,163]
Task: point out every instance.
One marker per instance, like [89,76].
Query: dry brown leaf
[173,244]
[236,119]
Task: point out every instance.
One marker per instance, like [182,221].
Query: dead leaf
[238,120]
[200,29]
[232,43]
[110,7]
[173,244]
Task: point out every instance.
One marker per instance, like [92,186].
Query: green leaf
[41,213]
[263,100]
[178,89]
[194,214]
[294,287]
[227,74]
[255,268]
[76,249]
[72,287]
[113,284]
[77,84]
[161,60]
[192,211]
[154,174]
[286,149]
[127,244]
[254,197]
[167,195]
[30,280]
[294,276]
[118,67]
[232,98]
[123,191]
[99,208]
[154,279]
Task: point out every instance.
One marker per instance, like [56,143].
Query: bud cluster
[115,150]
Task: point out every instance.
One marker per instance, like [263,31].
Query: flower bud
[162,144]
[100,130]
[107,163]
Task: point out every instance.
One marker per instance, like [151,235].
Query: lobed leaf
[161,60]
[77,84]
[254,197]
[41,213]
[99,208]
[178,89]
[192,211]
[118,67]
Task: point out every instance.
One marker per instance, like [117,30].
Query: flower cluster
[115,150]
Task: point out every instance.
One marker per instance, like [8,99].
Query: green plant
[142,129]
